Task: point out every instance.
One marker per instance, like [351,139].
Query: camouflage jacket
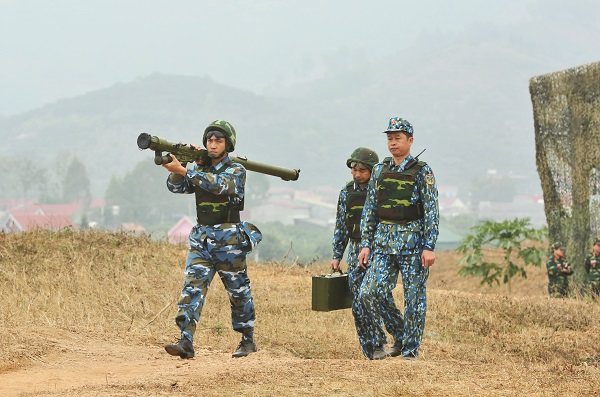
[592,268]
[557,270]
[225,178]
[340,233]
[406,238]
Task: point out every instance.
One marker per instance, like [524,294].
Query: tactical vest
[355,201]
[394,190]
[214,209]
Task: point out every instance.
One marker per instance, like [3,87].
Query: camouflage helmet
[225,128]
[365,156]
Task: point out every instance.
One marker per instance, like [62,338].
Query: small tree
[508,236]
[76,184]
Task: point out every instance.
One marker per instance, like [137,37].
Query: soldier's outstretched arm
[229,182]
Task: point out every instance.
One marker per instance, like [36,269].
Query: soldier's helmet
[365,156]
[398,124]
[226,129]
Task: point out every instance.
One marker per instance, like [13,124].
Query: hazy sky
[64,48]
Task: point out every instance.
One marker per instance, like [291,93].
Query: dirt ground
[97,328]
[79,365]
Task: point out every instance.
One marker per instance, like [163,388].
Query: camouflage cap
[597,241]
[558,246]
[398,124]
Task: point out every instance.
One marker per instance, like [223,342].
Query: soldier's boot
[245,348]
[183,348]
[379,353]
[410,356]
[396,349]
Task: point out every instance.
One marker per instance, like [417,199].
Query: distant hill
[101,127]
[467,99]
[315,133]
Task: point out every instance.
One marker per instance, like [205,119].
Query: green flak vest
[394,190]
[214,209]
[355,202]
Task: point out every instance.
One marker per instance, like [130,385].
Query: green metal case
[330,292]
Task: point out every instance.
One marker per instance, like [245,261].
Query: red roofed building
[180,232]
[75,211]
[15,223]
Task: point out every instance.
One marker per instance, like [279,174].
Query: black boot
[379,353]
[245,348]
[396,349]
[183,348]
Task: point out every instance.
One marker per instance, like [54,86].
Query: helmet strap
[212,156]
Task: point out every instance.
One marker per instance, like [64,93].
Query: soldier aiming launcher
[187,153]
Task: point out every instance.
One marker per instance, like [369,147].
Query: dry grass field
[88,313]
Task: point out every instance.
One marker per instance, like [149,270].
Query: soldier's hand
[363,257]
[568,269]
[335,265]
[175,166]
[204,159]
[428,258]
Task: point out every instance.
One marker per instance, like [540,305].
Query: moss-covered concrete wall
[566,113]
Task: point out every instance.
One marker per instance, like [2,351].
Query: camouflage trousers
[592,284]
[200,270]
[364,331]
[376,300]
[594,288]
[558,287]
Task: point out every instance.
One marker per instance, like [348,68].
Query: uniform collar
[358,188]
[221,163]
[402,164]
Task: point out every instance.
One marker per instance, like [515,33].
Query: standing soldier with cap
[592,268]
[347,233]
[558,272]
[219,242]
[399,231]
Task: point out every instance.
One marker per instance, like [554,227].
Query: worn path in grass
[80,366]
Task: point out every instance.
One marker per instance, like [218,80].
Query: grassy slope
[120,288]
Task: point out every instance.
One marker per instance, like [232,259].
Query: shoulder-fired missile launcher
[187,153]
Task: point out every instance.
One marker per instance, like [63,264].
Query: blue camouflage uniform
[341,240]
[216,248]
[396,248]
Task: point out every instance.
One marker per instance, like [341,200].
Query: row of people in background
[388,217]
[559,271]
